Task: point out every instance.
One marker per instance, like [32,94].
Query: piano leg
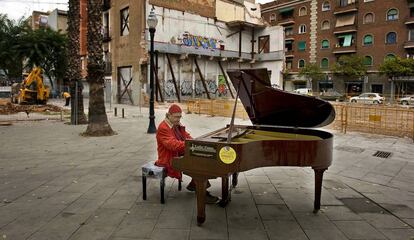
[318,189]
[234,179]
[225,196]
[201,185]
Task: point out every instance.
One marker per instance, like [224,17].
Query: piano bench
[150,170]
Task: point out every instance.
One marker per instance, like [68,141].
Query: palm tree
[98,121]
[74,65]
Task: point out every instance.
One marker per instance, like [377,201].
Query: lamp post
[152,23]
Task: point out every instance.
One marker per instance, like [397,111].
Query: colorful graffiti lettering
[199,41]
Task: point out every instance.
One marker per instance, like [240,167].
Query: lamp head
[152,19]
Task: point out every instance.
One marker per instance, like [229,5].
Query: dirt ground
[6,107]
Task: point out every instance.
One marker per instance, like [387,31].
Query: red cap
[174,108]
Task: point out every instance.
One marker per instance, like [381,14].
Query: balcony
[345,29]
[409,45]
[409,20]
[106,35]
[344,50]
[289,53]
[286,21]
[348,8]
[106,5]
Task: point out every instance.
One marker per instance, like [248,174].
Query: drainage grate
[382,154]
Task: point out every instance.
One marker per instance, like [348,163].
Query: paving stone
[361,205]
[135,228]
[401,211]
[274,212]
[257,179]
[398,234]
[267,198]
[175,219]
[377,178]
[240,234]
[331,233]
[262,188]
[312,221]
[358,230]
[383,220]
[282,230]
[170,234]
[339,213]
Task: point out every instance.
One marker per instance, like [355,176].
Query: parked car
[304,91]
[332,95]
[372,98]
[408,100]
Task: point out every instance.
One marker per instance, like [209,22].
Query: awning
[345,20]
[284,10]
[347,41]
[288,41]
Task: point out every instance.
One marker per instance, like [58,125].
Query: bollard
[115,111]
[61,115]
[123,116]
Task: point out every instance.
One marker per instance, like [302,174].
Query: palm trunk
[98,120]
[74,66]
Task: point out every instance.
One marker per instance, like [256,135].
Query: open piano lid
[269,106]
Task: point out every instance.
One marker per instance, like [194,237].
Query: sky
[15,9]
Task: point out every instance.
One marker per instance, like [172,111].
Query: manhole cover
[382,154]
[350,149]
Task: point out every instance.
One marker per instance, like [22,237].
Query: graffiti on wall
[222,87]
[199,88]
[186,88]
[190,40]
[169,89]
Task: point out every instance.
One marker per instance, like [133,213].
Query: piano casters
[201,185]
[318,189]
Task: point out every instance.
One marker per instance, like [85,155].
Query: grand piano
[281,135]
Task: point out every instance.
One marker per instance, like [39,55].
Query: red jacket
[168,146]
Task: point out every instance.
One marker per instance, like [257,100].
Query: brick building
[195,42]
[320,31]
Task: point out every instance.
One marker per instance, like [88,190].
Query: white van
[304,91]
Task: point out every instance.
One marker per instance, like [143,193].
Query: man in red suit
[171,136]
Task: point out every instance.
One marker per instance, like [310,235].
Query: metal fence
[392,120]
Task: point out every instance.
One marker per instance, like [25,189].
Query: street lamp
[152,23]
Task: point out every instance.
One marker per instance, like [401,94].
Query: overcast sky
[15,9]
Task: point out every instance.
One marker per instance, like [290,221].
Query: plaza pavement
[56,184]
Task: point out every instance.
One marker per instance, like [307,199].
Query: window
[288,45]
[324,63]
[125,21]
[367,40]
[377,88]
[288,64]
[368,18]
[272,17]
[325,44]
[302,11]
[345,40]
[326,6]
[343,3]
[411,35]
[368,0]
[411,10]
[390,56]
[325,25]
[289,31]
[301,46]
[264,45]
[302,29]
[392,14]
[301,63]
[391,38]
[368,61]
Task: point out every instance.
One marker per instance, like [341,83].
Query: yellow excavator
[32,90]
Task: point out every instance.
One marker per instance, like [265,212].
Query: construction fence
[392,120]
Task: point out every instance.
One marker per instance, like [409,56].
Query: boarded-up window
[301,46]
[125,21]
[345,20]
[264,44]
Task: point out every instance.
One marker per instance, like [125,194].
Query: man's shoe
[210,199]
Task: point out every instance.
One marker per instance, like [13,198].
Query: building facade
[320,31]
[195,42]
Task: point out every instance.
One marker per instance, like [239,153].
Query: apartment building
[320,31]
[195,42]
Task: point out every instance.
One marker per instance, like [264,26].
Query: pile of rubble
[6,107]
